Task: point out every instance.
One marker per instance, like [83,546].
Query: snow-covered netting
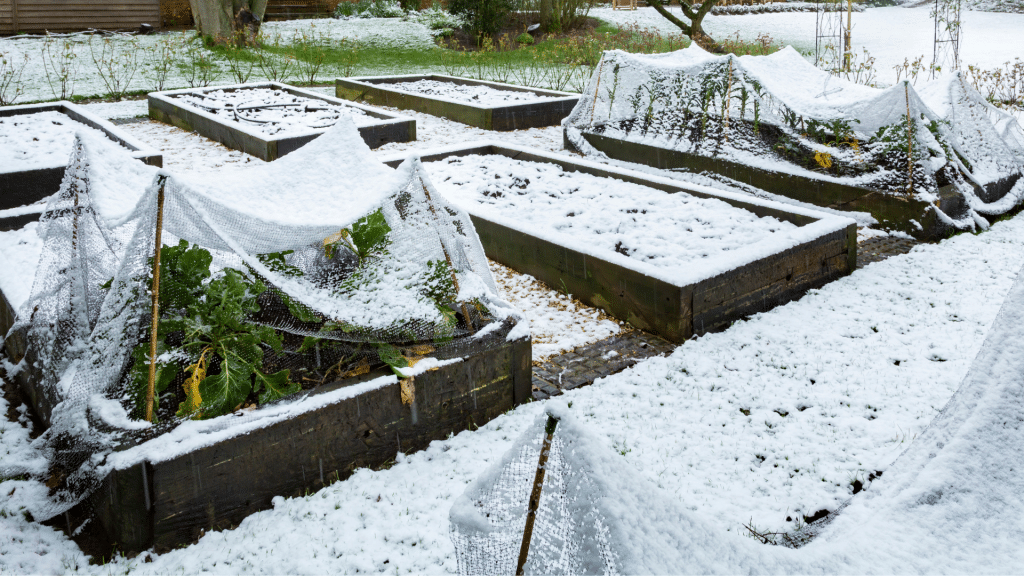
[272,280]
[782,114]
[950,503]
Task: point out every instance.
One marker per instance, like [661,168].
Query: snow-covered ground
[890,35]
[559,323]
[773,418]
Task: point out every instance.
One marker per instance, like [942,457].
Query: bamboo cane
[538,484]
[151,385]
[597,90]
[910,143]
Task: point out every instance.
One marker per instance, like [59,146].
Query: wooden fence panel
[35,16]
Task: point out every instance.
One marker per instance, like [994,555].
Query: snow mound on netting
[950,504]
[780,113]
[320,266]
[952,501]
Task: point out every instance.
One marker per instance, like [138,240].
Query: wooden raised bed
[677,312]
[375,90]
[25,187]
[892,211]
[165,108]
[171,499]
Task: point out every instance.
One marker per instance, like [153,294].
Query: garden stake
[538,483]
[728,101]
[597,91]
[455,279]
[156,300]
[910,145]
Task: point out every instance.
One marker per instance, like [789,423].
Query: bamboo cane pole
[151,385]
[910,143]
[538,484]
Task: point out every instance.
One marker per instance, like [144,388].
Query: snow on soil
[272,112]
[186,151]
[836,385]
[558,322]
[670,231]
[40,140]
[890,35]
[19,257]
[486,96]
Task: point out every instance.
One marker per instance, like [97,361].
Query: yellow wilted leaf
[334,238]
[362,368]
[197,372]
[420,349]
[824,159]
[408,390]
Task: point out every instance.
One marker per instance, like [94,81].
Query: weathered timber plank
[770,282]
[215,487]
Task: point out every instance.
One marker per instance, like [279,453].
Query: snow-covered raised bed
[35,144]
[269,119]
[487,105]
[345,315]
[674,259]
[922,160]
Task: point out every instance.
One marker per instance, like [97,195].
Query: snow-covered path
[836,384]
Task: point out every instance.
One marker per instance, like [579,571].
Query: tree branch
[657,5]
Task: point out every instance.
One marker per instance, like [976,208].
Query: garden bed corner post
[151,384]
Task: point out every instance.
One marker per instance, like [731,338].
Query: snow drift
[950,504]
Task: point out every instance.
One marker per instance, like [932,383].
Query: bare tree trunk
[546,8]
[693,29]
[229,21]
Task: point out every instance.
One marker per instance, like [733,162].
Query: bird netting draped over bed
[276,279]
[780,113]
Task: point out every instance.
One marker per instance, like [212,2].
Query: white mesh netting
[570,533]
[780,113]
[273,280]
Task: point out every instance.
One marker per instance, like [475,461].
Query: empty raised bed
[195,351]
[487,105]
[669,258]
[269,119]
[36,140]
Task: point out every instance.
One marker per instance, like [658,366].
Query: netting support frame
[155,323]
